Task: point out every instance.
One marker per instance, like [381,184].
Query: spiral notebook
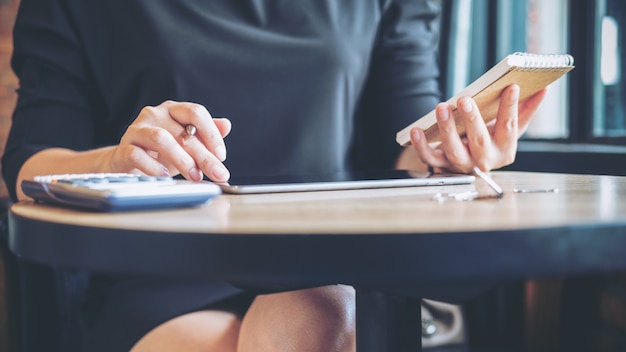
[532,72]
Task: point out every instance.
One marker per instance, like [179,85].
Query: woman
[308,86]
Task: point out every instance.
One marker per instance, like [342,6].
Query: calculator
[110,192]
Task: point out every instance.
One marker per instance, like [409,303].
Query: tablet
[340,181]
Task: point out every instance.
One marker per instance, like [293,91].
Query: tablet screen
[340,180]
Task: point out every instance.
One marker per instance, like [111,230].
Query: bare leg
[204,331]
[312,320]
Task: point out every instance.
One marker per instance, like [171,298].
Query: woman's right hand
[156,143]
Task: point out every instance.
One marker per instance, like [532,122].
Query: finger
[455,150]
[427,154]
[168,149]
[207,131]
[134,158]
[205,160]
[477,134]
[505,132]
[223,125]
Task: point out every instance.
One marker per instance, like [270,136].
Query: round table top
[579,200]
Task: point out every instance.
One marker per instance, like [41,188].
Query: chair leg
[542,314]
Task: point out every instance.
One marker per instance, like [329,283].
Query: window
[610,118]
[546,32]
[587,105]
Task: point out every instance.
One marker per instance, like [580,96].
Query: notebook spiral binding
[544,62]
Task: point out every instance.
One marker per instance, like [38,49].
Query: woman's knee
[196,331]
[336,303]
[318,319]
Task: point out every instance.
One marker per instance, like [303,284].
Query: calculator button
[96,180]
[122,179]
[147,178]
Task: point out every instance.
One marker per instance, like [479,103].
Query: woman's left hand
[485,146]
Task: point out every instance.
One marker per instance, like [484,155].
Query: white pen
[489,181]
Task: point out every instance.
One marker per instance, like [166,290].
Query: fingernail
[515,92]
[442,111]
[220,173]
[165,171]
[195,174]
[416,134]
[220,152]
[466,105]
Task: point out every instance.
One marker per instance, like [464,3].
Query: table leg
[387,323]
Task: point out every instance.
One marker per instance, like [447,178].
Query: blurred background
[581,128]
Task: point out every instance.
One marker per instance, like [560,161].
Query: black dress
[309,85]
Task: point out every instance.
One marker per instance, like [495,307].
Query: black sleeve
[55,98]
[402,83]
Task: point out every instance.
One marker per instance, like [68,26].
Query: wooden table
[394,246]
